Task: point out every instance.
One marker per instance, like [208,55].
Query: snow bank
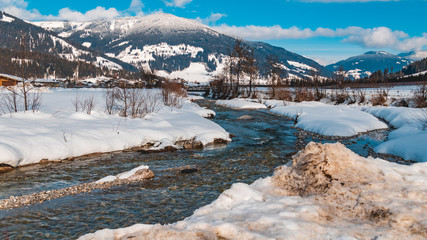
[202,111]
[330,120]
[327,192]
[141,172]
[241,103]
[409,141]
[58,132]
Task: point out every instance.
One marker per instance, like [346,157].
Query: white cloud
[212,19]
[17,3]
[380,37]
[19,9]
[94,14]
[136,7]
[177,3]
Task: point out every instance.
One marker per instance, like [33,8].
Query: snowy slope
[46,42]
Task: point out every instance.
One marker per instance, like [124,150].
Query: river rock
[245,117]
[141,174]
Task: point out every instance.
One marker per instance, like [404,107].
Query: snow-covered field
[57,131]
[408,141]
[327,192]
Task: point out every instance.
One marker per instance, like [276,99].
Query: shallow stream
[258,146]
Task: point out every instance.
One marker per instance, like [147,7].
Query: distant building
[7,80]
[40,82]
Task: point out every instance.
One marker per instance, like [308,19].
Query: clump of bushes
[420,96]
[304,94]
[173,93]
[380,97]
[284,94]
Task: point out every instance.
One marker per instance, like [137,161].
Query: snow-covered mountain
[364,65]
[15,30]
[172,46]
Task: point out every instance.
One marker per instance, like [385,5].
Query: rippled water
[258,147]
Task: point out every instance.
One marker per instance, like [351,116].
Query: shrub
[132,102]
[172,93]
[83,104]
[420,96]
[303,94]
[14,99]
[340,96]
[380,97]
[283,94]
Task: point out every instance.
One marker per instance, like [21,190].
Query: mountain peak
[363,65]
[376,53]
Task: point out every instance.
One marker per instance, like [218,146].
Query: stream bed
[258,147]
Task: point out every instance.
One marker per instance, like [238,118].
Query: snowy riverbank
[407,142]
[330,120]
[326,192]
[57,131]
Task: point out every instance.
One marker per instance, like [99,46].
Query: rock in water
[141,174]
[245,117]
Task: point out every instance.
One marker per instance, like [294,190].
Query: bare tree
[110,100]
[250,67]
[26,87]
[238,57]
[23,95]
[83,104]
[76,102]
[88,104]
[315,77]
[275,71]
[340,77]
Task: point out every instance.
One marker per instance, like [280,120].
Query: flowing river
[259,145]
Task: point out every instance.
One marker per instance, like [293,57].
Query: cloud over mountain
[378,37]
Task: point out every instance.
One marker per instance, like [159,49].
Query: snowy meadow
[76,122]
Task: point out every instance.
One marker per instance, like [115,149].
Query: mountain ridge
[170,45]
[364,65]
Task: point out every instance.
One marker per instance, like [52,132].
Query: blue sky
[325,30]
